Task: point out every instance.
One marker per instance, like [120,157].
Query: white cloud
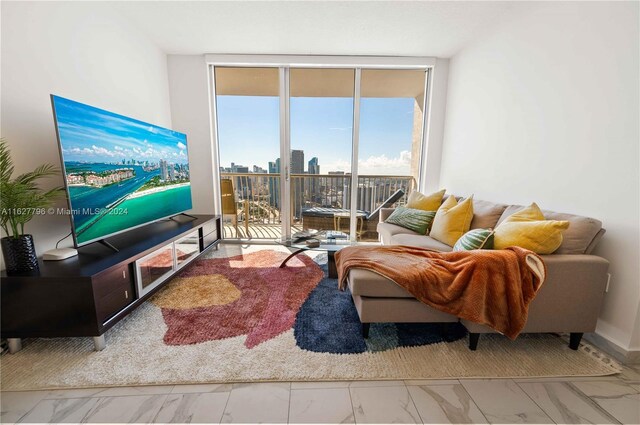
[181,146]
[375,165]
[102,151]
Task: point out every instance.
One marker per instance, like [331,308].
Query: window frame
[285,63]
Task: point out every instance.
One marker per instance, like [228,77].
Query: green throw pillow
[475,239]
[417,220]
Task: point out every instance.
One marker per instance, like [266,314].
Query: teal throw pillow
[475,239]
[417,220]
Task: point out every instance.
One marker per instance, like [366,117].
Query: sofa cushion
[539,236]
[413,219]
[420,242]
[425,202]
[529,229]
[387,230]
[578,238]
[510,210]
[366,283]
[581,236]
[595,241]
[452,220]
[475,239]
[486,214]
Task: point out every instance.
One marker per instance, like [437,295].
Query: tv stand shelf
[88,294]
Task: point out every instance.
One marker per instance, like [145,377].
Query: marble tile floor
[610,399]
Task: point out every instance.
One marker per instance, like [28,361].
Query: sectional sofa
[568,302]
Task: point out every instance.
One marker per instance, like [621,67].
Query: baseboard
[619,353]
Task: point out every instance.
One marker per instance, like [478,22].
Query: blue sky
[248,128]
[90,134]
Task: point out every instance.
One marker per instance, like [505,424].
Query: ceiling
[383,28]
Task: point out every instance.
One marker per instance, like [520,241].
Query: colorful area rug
[241,318]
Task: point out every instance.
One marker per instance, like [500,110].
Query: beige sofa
[569,301]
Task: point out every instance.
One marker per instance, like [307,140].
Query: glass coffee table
[330,246]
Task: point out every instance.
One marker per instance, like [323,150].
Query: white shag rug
[136,355]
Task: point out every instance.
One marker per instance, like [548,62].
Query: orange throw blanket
[489,287]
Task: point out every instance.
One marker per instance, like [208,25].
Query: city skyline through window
[321,108]
[321,129]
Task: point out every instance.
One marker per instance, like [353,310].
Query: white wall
[546,109]
[82,52]
[188,90]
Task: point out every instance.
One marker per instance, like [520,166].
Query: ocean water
[84,198]
[139,211]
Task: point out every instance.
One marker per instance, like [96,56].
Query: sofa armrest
[572,294]
[385,213]
[570,260]
[570,298]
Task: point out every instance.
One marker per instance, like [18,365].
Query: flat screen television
[120,173]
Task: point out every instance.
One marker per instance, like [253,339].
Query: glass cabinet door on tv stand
[186,249]
[153,269]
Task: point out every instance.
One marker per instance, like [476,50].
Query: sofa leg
[473,341]
[365,330]
[574,340]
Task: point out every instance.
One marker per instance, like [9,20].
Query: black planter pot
[19,254]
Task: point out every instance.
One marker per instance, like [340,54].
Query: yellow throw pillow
[530,213]
[452,220]
[541,236]
[419,201]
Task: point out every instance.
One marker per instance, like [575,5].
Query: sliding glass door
[321,122]
[315,148]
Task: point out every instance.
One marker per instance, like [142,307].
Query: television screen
[120,172]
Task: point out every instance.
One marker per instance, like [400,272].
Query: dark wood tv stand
[88,294]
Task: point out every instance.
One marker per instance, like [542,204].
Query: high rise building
[242,183]
[313,186]
[260,181]
[314,167]
[164,170]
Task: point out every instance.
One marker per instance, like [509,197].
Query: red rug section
[270,299]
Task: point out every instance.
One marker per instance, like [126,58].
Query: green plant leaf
[21,197]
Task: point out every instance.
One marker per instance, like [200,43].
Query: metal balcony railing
[258,195]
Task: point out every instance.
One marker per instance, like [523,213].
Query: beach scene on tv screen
[120,172]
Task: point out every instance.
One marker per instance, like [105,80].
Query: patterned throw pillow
[412,219]
[475,239]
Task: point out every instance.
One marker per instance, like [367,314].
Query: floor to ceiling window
[321,123]
[391,125]
[289,155]
[247,105]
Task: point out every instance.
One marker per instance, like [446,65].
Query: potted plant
[20,200]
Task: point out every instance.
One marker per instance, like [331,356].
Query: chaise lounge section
[568,302]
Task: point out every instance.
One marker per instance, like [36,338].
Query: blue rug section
[328,323]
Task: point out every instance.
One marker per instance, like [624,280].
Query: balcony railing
[257,197]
